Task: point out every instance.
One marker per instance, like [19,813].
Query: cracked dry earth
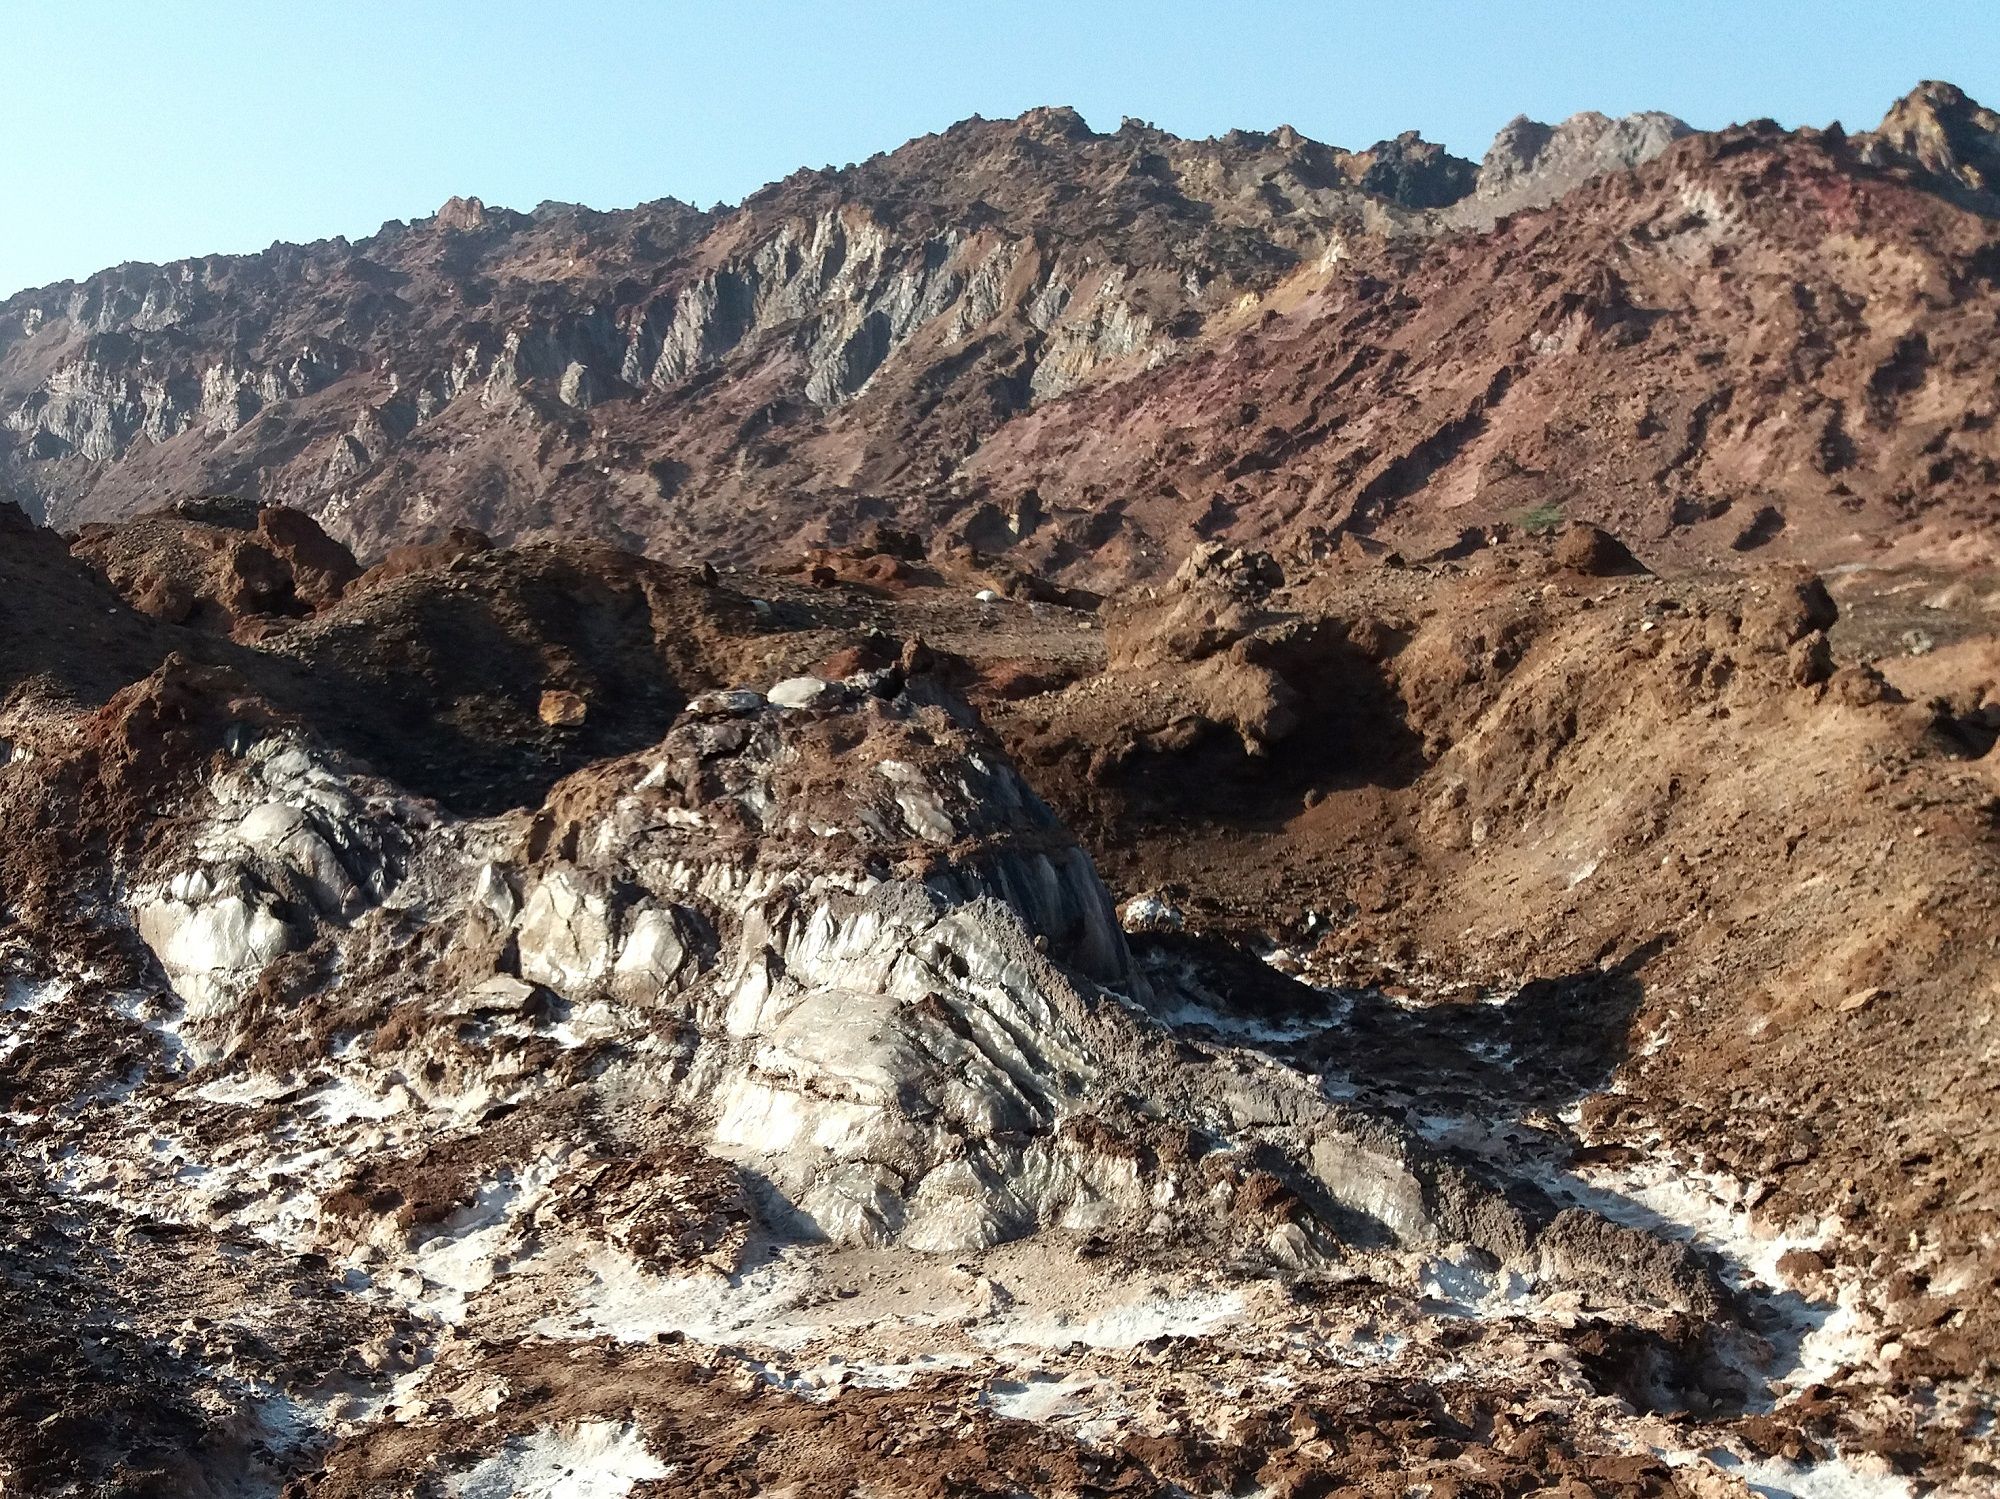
[781,1102]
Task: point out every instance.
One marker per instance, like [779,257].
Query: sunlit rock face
[1531,164]
[883,948]
[873,951]
[793,1066]
[488,1019]
[827,932]
[291,845]
[1005,263]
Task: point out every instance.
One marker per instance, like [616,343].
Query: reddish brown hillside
[1090,350]
[1755,342]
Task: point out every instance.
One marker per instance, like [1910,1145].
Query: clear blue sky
[151,129]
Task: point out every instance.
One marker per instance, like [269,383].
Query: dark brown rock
[1593,552]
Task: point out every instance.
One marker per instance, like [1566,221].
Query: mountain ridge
[837,350]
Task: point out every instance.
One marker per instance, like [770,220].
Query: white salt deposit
[1774,1478]
[1192,1315]
[594,1460]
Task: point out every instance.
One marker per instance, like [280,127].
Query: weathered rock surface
[1530,164]
[1605,360]
[1084,351]
[1408,999]
[808,1032]
[1946,135]
[221,564]
[1020,258]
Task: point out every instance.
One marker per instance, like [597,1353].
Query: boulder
[1585,549]
[321,568]
[1810,660]
[1794,606]
[801,692]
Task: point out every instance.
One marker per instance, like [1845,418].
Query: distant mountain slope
[1756,341]
[1160,337]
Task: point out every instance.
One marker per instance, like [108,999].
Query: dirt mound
[486,675]
[455,656]
[424,556]
[826,966]
[1217,692]
[1791,865]
[1583,548]
[220,565]
[68,635]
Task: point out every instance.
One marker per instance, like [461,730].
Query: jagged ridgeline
[1027,305]
[1032,252]
[1148,332]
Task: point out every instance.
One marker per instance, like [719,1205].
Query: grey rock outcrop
[292,842]
[831,935]
[1530,164]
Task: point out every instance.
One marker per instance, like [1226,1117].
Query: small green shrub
[1543,517]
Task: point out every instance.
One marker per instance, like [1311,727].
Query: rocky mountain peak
[1414,171]
[1531,163]
[1516,148]
[1943,131]
[1058,122]
[463,215]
